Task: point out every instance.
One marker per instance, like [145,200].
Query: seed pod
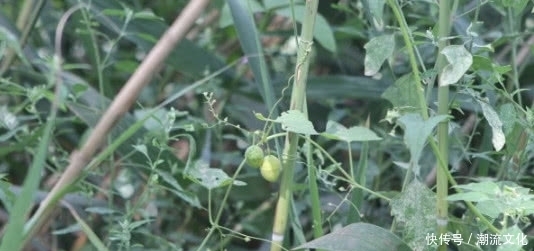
[254,156]
[271,167]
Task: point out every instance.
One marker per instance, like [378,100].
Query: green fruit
[254,156]
[270,169]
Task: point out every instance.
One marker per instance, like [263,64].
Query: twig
[120,105]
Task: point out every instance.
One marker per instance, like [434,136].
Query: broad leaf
[469,196]
[337,131]
[403,93]
[512,239]
[459,62]
[295,121]
[487,187]
[210,178]
[416,132]
[415,210]
[377,50]
[508,116]
[358,236]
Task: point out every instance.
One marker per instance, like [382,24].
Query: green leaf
[469,196]
[210,178]
[272,4]
[101,210]
[295,121]
[508,116]
[249,39]
[142,149]
[187,57]
[92,236]
[403,93]
[149,15]
[175,187]
[487,187]
[377,50]
[517,5]
[512,239]
[497,138]
[337,131]
[490,208]
[358,236]
[416,132]
[226,16]
[376,8]
[459,62]
[415,208]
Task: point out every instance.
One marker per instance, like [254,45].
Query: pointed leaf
[512,239]
[175,188]
[469,196]
[295,121]
[377,50]
[497,138]
[508,116]
[416,132]
[403,93]
[487,187]
[358,236]
[337,131]
[376,8]
[210,178]
[459,62]
[415,209]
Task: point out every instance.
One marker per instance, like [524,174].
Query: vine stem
[215,222]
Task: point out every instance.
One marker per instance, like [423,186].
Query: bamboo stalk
[297,103]
[442,185]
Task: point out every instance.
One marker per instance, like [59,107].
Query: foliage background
[138,198]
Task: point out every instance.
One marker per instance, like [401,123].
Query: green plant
[393,124]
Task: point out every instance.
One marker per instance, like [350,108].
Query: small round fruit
[270,169]
[254,156]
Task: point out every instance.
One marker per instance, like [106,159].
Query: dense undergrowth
[375,125]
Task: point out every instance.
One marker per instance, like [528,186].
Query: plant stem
[360,178]
[443,127]
[296,103]
[215,222]
[315,202]
[413,61]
